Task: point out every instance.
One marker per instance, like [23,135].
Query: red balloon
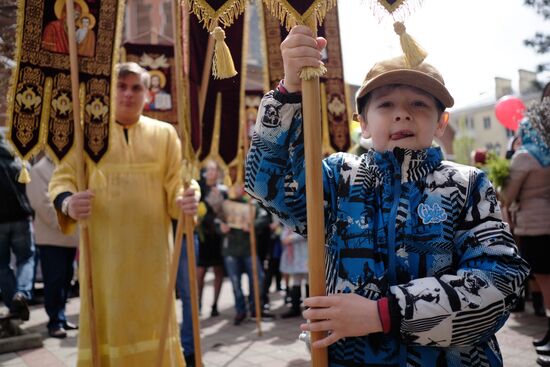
[509,111]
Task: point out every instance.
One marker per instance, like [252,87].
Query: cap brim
[412,78]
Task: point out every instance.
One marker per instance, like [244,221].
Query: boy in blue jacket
[420,269]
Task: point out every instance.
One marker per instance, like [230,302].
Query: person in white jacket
[57,251]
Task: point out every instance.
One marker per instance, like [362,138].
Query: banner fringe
[289,17]
[226,15]
[399,10]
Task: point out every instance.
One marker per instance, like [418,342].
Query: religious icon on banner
[159,62]
[41,111]
[54,34]
[159,99]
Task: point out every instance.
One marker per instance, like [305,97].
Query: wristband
[384,314]
[281,87]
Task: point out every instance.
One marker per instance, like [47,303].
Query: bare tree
[540,41]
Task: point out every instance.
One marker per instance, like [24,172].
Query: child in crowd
[236,251]
[420,269]
[294,263]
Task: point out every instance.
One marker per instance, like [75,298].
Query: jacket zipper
[392,222]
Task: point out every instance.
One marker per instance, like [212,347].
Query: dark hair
[545,91]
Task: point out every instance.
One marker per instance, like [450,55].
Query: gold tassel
[24,176]
[414,54]
[309,72]
[222,65]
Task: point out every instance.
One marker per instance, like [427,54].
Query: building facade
[479,123]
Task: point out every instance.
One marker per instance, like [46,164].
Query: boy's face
[402,116]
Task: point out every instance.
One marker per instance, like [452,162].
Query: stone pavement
[226,345]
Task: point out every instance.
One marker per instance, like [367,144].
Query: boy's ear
[364,126]
[442,125]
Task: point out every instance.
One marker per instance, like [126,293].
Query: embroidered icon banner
[158,60]
[40,109]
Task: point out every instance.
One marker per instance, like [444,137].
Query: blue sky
[469,41]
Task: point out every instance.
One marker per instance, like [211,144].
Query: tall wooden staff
[315,211]
[81,182]
[253,256]
[182,89]
[252,233]
[184,221]
[311,111]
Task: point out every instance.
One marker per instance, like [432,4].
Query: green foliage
[463,144]
[498,169]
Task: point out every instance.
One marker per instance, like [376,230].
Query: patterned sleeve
[275,169]
[465,308]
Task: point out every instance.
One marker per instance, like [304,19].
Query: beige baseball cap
[396,71]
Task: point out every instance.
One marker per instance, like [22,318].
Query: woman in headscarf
[527,196]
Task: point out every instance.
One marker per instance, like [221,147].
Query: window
[509,133]
[470,122]
[497,148]
[486,123]
[168,27]
[143,20]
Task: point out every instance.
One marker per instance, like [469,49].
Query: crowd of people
[421,269]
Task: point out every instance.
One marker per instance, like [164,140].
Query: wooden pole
[81,182]
[182,89]
[253,256]
[187,219]
[206,70]
[193,288]
[252,233]
[315,210]
[169,299]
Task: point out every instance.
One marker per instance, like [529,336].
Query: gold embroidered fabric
[40,108]
[293,12]
[214,12]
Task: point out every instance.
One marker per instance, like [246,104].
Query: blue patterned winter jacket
[406,225]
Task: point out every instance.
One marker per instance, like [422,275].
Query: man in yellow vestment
[133,193]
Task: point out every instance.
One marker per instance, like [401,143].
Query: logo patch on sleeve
[431,214]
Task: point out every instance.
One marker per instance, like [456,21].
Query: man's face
[402,116]
[130,99]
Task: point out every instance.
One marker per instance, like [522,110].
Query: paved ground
[226,345]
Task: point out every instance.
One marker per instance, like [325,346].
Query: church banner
[224,107]
[40,100]
[158,60]
[336,111]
